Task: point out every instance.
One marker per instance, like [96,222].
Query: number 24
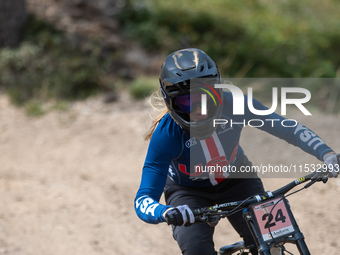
[279,217]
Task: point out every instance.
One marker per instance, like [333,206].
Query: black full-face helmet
[186,75]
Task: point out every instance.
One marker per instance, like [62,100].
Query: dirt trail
[68,180]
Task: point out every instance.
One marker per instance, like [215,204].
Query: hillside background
[64,50]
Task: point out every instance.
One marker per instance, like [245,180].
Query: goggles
[188,103]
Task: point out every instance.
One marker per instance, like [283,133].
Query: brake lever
[210,216]
[320,176]
[317,178]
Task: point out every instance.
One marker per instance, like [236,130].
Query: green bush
[143,87]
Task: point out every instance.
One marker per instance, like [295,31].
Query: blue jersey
[172,152]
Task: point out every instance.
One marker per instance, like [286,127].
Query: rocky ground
[68,180]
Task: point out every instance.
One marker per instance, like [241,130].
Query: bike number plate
[273,222]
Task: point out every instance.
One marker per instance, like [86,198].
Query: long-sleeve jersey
[172,152]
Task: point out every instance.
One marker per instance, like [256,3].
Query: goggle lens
[190,102]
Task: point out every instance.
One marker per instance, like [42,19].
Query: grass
[34,108]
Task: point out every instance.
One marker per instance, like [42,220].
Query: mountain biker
[182,137]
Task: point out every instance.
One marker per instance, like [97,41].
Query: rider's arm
[151,188]
[164,146]
[297,135]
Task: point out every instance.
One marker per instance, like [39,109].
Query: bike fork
[301,244]
[263,248]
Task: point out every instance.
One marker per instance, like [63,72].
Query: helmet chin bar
[201,135]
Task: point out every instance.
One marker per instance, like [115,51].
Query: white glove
[178,216]
[332,161]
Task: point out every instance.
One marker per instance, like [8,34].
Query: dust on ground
[68,181]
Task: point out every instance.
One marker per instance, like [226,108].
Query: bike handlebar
[320,175]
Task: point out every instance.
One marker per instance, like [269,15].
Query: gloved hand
[180,215]
[332,161]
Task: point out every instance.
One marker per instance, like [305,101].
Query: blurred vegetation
[48,66]
[143,87]
[34,108]
[252,38]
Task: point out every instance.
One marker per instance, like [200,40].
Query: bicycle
[268,216]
